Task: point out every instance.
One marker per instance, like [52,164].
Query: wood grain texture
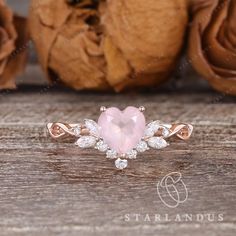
[53,188]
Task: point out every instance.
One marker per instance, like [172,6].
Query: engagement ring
[121,135]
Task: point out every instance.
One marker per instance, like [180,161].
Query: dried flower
[102,45]
[13,39]
[212,42]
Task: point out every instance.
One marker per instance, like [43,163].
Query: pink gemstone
[122,130]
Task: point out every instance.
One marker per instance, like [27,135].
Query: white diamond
[152,128]
[165,132]
[86,142]
[77,130]
[101,146]
[157,142]
[121,164]
[111,154]
[142,146]
[132,154]
[149,132]
[92,126]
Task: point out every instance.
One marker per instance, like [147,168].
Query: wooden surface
[49,188]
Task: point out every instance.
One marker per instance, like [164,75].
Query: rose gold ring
[121,134]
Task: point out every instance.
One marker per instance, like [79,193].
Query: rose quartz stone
[122,130]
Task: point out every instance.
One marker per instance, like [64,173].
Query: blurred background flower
[108,45]
[212,42]
[109,58]
[13,40]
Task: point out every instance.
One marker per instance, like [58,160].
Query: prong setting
[103,109]
[142,108]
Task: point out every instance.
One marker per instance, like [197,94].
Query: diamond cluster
[155,127]
[150,140]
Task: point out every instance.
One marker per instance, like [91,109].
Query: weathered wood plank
[55,189]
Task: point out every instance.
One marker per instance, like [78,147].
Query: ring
[121,134]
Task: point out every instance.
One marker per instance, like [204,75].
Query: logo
[172,190]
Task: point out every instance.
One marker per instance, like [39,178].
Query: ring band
[121,134]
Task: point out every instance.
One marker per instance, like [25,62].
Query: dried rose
[13,39]
[108,44]
[212,42]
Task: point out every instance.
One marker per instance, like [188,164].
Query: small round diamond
[121,164]
[77,130]
[165,132]
[132,154]
[142,146]
[111,154]
[101,146]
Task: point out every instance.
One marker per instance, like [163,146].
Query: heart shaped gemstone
[122,130]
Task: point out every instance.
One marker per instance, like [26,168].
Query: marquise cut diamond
[92,126]
[157,142]
[165,132]
[152,128]
[86,142]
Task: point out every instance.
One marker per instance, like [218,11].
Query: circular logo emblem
[172,190]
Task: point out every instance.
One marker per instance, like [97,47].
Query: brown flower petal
[110,44]
[212,42]
[13,39]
